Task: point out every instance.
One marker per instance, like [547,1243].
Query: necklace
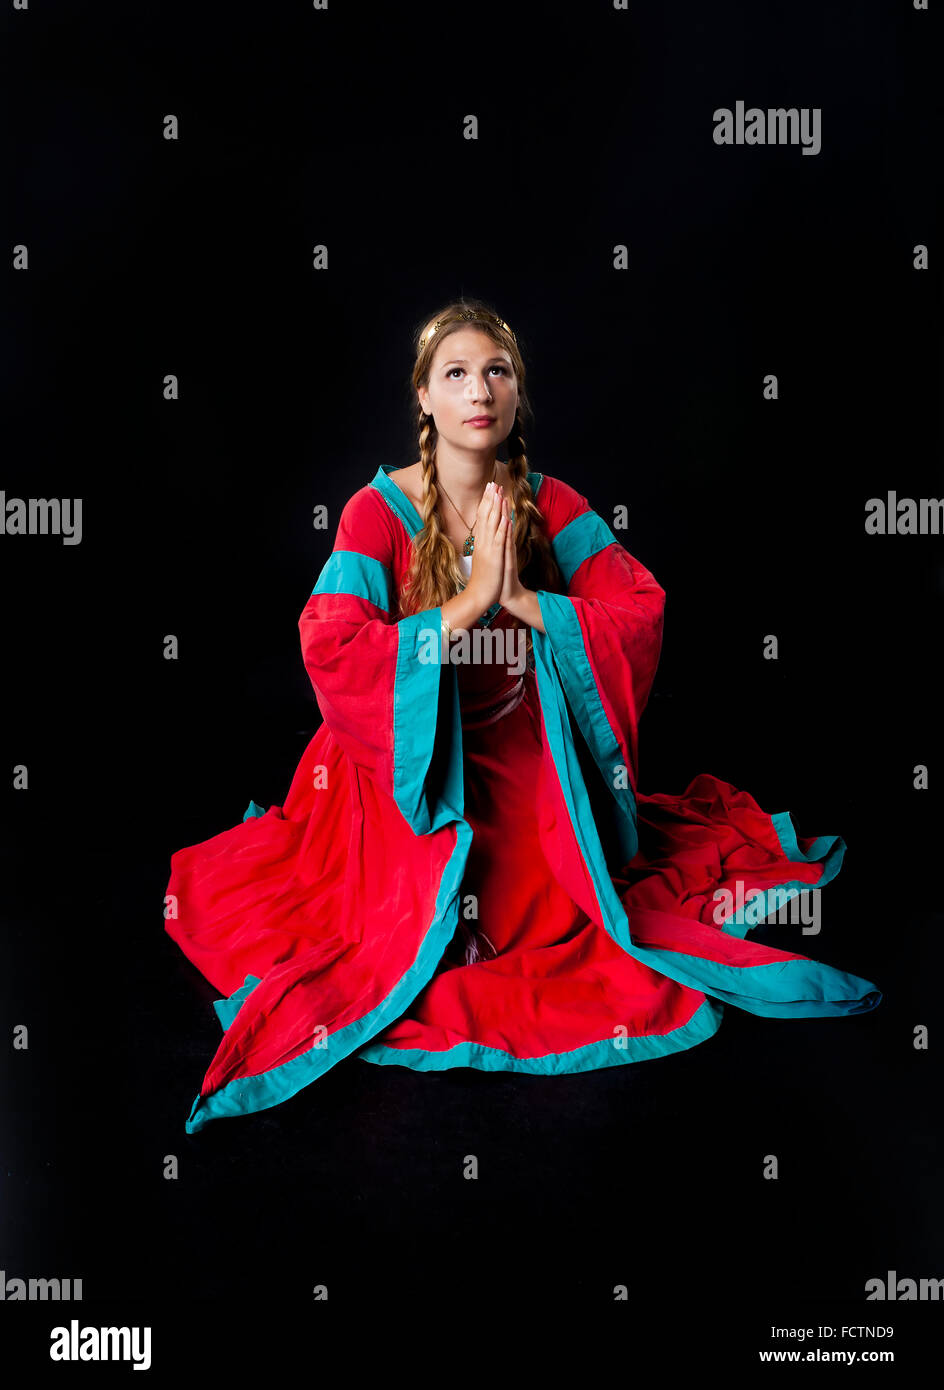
[469,546]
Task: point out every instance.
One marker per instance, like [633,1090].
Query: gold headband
[472,315]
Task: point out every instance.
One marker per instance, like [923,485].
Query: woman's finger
[493,515]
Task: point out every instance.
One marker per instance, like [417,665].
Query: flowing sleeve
[376,678]
[595,663]
[602,640]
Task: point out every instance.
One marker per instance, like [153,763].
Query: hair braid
[434,574]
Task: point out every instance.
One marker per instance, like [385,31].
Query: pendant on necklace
[469,544]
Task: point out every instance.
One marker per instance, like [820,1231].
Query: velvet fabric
[464,872]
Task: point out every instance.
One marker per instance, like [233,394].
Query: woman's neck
[465,475]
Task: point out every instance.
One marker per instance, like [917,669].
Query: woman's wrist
[527,609]
[462,609]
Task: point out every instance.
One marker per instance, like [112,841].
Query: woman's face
[471,376]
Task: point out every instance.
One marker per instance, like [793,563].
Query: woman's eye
[496,368]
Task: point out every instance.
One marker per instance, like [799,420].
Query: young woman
[463,872]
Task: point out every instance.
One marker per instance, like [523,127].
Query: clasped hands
[494,576]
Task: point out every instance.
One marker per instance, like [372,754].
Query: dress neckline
[397,499]
[400,503]
[405,508]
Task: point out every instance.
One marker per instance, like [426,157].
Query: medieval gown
[442,802]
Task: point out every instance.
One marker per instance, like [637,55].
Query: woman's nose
[476,391]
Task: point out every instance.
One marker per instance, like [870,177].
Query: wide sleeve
[376,678]
[602,640]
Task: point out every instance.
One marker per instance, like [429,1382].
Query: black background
[194,257]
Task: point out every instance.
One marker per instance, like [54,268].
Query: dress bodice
[491,658]
[491,662]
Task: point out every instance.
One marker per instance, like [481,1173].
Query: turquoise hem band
[563,638]
[248,1094]
[251,1093]
[586,535]
[416,713]
[828,849]
[227,1009]
[608,1052]
[360,576]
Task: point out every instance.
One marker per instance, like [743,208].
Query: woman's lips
[480,423]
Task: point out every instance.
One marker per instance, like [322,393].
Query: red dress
[485,811]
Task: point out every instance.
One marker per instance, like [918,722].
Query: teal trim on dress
[415,712]
[770,900]
[252,810]
[361,576]
[564,640]
[586,535]
[787,836]
[227,1009]
[608,1052]
[780,989]
[248,1094]
[397,499]
[401,505]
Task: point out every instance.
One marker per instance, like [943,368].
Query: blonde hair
[434,574]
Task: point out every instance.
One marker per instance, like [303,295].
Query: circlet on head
[472,316]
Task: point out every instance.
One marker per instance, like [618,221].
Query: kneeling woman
[463,873]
